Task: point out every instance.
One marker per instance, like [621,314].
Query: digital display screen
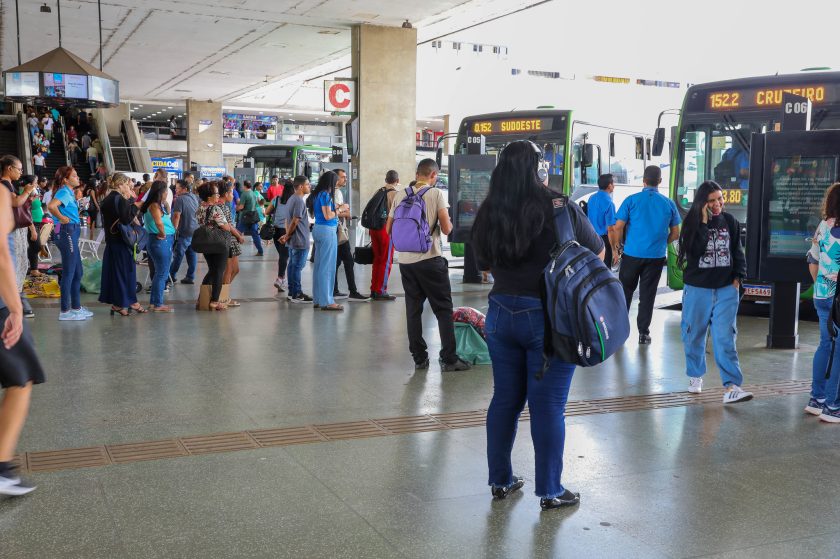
[734,197]
[473,186]
[771,97]
[103,89]
[795,205]
[22,84]
[509,126]
[65,85]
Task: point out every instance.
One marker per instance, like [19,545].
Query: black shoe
[28,313]
[421,365]
[384,296]
[186,281]
[502,492]
[644,339]
[567,499]
[459,365]
[339,295]
[358,297]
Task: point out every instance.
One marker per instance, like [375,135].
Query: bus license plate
[757,290]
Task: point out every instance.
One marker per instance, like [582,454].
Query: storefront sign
[205,172]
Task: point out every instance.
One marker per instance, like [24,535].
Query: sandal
[232,303]
[332,307]
[218,307]
[162,308]
[139,309]
[120,311]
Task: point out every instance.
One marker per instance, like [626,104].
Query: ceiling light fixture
[407,25]
[46,9]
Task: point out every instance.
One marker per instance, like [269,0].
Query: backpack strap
[564,230]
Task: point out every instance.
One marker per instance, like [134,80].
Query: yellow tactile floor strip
[89,457]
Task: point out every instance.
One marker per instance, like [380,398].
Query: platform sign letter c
[339,96]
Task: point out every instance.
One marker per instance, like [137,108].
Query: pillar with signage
[384,70]
[204,133]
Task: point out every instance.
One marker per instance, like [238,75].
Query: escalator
[122,159]
[9,137]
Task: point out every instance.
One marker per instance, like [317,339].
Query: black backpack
[375,213]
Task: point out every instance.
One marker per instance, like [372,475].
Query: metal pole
[99,6]
[59,21]
[17,19]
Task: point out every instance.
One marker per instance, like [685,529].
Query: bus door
[587,163]
[627,164]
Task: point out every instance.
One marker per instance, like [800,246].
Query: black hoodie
[715,258]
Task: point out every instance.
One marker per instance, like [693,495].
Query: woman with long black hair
[158,223]
[280,216]
[710,249]
[513,236]
[322,205]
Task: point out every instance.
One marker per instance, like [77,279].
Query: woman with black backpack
[513,237]
[710,249]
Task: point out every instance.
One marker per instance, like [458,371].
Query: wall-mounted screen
[472,190]
[71,86]
[103,89]
[22,84]
[799,184]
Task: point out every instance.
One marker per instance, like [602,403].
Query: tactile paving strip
[88,457]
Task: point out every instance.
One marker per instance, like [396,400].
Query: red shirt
[274,192]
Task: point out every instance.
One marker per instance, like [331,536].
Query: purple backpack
[410,230]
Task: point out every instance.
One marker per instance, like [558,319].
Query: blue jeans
[822,388]
[719,308]
[515,330]
[297,260]
[323,277]
[182,247]
[160,251]
[71,266]
[254,231]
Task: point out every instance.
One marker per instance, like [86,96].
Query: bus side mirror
[588,155]
[439,157]
[658,142]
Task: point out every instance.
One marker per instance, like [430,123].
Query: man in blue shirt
[601,213]
[651,221]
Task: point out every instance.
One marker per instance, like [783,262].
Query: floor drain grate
[89,457]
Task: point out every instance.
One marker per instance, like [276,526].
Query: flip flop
[332,308]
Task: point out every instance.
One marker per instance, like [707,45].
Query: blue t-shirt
[601,211]
[649,217]
[69,208]
[166,219]
[235,202]
[323,199]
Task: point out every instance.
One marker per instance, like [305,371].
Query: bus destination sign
[761,97]
[509,126]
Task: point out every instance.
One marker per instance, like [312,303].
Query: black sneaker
[459,365]
[301,298]
[339,295]
[186,281]
[28,313]
[358,297]
[502,492]
[644,339]
[384,296]
[567,499]
[421,365]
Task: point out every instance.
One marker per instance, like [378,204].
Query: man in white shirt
[47,121]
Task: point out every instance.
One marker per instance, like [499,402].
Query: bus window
[585,175]
[553,153]
[627,159]
[693,166]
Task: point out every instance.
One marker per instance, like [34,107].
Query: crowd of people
[513,238]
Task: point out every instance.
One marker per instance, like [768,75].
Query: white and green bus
[288,161]
[712,140]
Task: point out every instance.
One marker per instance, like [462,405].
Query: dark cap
[653,175]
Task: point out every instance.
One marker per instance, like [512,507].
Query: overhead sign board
[170,164]
[206,172]
[340,96]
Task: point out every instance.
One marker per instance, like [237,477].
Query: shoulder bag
[209,239]
[133,234]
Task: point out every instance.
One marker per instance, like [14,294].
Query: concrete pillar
[204,133]
[384,63]
[114,117]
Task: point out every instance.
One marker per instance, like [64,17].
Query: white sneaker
[278,283]
[84,311]
[735,394]
[14,487]
[695,385]
[71,315]
[284,284]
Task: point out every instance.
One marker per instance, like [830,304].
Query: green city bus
[288,161]
[712,141]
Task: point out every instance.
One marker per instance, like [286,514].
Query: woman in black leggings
[210,213]
[281,216]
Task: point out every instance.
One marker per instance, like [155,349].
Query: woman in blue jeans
[325,235]
[513,236]
[710,249]
[65,209]
[824,267]
[158,222]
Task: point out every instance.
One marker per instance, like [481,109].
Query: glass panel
[693,166]
[628,164]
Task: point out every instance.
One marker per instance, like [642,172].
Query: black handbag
[208,239]
[249,218]
[363,255]
[267,231]
[133,234]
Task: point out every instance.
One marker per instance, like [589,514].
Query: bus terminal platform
[239,434]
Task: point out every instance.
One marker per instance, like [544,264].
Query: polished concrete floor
[752,480]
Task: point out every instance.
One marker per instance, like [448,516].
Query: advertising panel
[22,84]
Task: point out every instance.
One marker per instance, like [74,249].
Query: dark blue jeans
[515,329]
[160,251]
[182,248]
[254,231]
[71,266]
[297,260]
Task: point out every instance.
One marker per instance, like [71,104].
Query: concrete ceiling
[226,50]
